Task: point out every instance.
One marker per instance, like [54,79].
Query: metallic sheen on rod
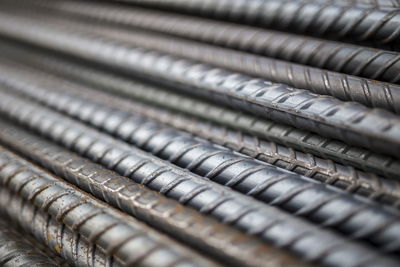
[230,207]
[156,95]
[187,225]
[274,186]
[346,58]
[18,249]
[347,121]
[129,241]
[59,238]
[319,19]
[366,184]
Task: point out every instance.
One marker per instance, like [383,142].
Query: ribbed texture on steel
[59,238]
[207,197]
[290,191]
[115,234]
[341,57]
[386,191]
[259,133]
[328,116]
[20,250]
[191,227]
[282,134]
[315,18]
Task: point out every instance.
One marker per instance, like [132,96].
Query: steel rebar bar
[318,19]
[383,190]
[277,187]
[17,249]
[127,240]
[213,238]
[264,221]
[155,95]
[351,59]
[328,116]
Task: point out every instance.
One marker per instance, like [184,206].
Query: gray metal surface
[200,133]
[228,206]
[366,184]
[190,227]
[59,238]
[347,121]
[346,58]
[156,95]
[344,87]
[292,192]
[128,241]
[319,19]
[17,249]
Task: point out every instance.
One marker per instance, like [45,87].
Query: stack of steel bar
[200,133]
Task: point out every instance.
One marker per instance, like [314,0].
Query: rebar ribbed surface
[207,197]
[197,230]
[114,233]
[383,190]
[379,4]
[20,250]
[59,238]
[346,121]
[341,86]
[265,182]
[258,133]
[320,19]
[341,57]
[283,134]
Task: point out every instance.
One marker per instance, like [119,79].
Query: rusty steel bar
[350,122]
[187,225]
[351,59]
[127,240]
[350,179]
[17,249]
[59,238]
[155,95]
[292,192]
[262,220]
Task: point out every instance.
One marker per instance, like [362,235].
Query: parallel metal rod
[127,240]
[155,95]
[318,19]
[230,207]
[59,238]
[352,180]
[185,224]
[292,192]
[17,249]
[378,4]
[355,60]
[347,88]
[350,122]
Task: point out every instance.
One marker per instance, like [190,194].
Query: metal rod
[127,240]
[17,249]
[350,122]
[346,58]
[319,19]
[187,225]
[287,190]
[207,197]
[156,95]
[59,238]
[350,179]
